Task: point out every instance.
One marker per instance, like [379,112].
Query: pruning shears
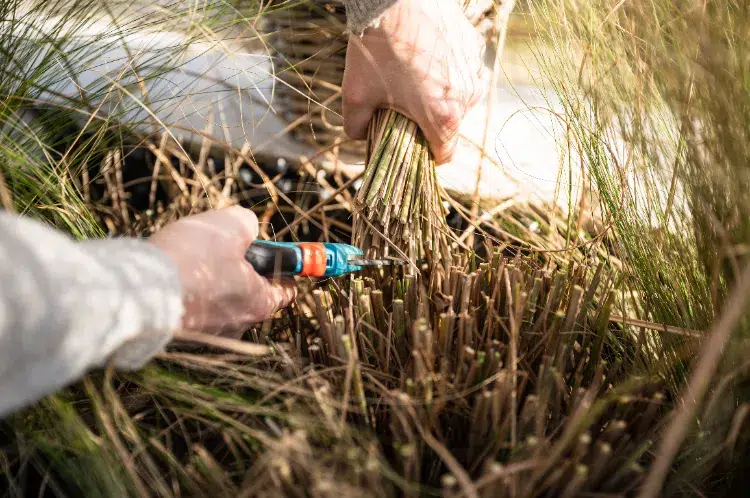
[309,259]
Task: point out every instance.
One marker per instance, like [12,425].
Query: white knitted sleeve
[67,307]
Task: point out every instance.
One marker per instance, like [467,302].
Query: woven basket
[310,40]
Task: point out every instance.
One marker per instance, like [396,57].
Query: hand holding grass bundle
[428,75]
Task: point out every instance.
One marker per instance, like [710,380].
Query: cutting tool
[309,259]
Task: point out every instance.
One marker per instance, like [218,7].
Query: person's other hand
[425,60]
[221,292]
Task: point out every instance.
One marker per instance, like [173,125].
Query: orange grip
[313,259]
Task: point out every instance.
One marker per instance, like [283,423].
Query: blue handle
[288,258]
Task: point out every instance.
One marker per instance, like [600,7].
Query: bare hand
[221,291]
[425,60]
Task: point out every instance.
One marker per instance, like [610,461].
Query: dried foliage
[509,380]
[515,376]
[541,361]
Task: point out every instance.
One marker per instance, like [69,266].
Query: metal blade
[377,262]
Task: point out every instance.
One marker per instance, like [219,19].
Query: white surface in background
[523,157]
[227,95]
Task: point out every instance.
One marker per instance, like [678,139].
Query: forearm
[67,307]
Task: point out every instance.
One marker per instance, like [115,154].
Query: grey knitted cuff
[361,14]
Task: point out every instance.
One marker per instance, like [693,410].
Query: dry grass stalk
[697,386]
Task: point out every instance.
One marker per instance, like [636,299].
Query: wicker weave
[310,40]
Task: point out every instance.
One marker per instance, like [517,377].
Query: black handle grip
[269,259]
